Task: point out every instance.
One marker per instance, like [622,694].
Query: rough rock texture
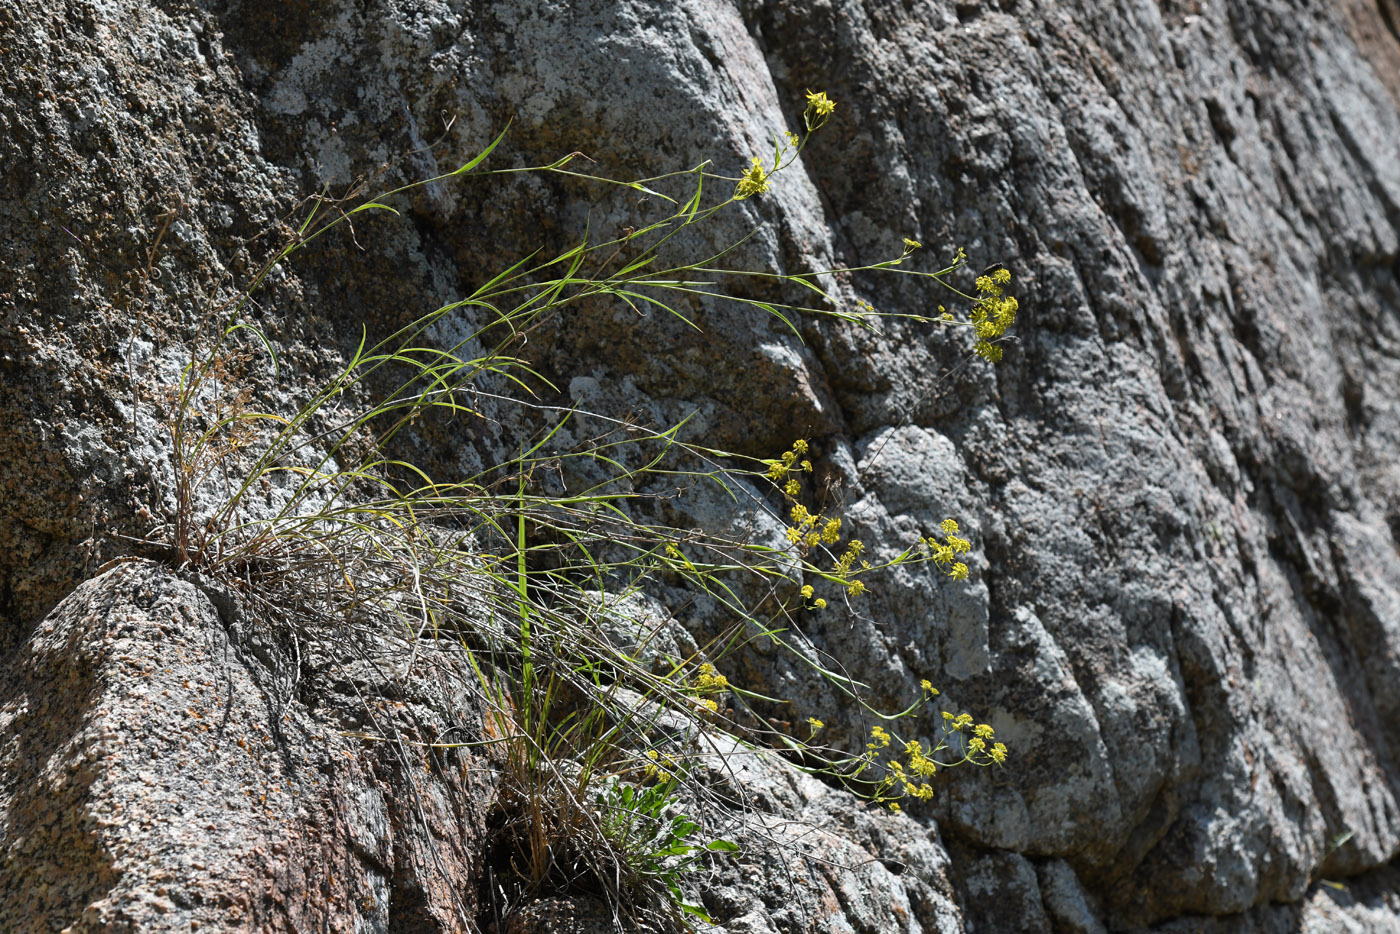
[1183,482]
[858,868]
[157,777]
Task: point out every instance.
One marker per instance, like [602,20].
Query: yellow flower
[1002,275]
[819,108]
[709,679]
[831,531]
[800,515]
[799,446]
[1005,314]
[959,572]
[998,753]
[807,592]
[949,525]
[987,351]
[894,806]
[929,688]
[983,730]
[793,138]
[816,724]
[792,488]
[819,603]
[855,588]
[654,768]
[911,245]
[819,103]
[753,181]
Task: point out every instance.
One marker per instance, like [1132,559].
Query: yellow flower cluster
[754,181]
[819,108]
[845,568]
[958,722]
[674,553]
[919,763]
[906,772]
[660,767]
[808,592]
[710,681]
[977,746]
[993,312]
[945,553]
[897,777]
[790,463]
[803,530]
[808,530]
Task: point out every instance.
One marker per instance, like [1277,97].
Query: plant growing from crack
[318,521]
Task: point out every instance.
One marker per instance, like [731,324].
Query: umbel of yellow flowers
[755,178]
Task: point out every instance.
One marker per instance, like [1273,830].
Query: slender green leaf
[481,157]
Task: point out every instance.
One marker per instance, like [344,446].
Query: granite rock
[1181,483]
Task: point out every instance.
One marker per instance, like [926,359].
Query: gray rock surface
[158,777]
[1182,484]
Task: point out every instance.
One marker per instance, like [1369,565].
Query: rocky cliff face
[1182,483]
